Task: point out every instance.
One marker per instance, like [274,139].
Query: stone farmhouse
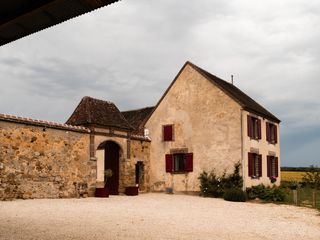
[201,123]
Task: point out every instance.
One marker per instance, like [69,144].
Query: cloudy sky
[129,53]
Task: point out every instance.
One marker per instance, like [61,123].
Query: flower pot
[102,192]
[132,191]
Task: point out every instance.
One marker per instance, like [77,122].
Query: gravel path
[154,216]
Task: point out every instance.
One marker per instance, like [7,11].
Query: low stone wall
[44,162]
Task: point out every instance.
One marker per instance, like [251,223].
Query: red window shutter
[275,134]
[269,166]
[167,133]
[268,131]
[188,162]
[260,165]
[250,165]
[169,163]
[277,166]
[259,129]
[249,126]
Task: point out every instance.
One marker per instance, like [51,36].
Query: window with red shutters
[254,127]
[169,163]
[272,133]
[254,165]
[179,162]
[272,164]
[188,162]
[168,133]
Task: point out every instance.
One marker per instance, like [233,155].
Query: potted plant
[104,192]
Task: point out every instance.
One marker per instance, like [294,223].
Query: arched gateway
[110,159]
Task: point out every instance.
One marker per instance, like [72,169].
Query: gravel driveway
[154,216]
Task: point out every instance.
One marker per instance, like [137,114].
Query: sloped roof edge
[209,77]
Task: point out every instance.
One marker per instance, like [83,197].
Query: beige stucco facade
[261,146]
[206,121]
[210,124]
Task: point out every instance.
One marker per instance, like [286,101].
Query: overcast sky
[130,52]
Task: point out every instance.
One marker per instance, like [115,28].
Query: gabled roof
[235,93]
[91,111]
[243,99]
[138,117]
[19,18]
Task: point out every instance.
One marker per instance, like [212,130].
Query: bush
[235,195]
[274,194]
[312,177]
[212,185]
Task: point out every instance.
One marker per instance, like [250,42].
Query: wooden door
[111,161]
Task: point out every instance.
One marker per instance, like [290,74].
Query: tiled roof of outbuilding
[243,99]
[91,111]
[138,117]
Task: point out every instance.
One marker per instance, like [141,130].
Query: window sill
[273,143]
[255,177]
[257,139]
[182,172]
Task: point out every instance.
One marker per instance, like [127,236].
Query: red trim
[188,162]
[169,163]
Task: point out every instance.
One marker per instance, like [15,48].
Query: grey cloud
[130,52]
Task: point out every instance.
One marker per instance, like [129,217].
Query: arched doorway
[111,161]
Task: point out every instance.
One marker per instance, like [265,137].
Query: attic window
[167,133]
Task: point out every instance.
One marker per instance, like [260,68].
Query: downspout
[242,157]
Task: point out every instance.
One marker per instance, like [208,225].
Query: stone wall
[43,162]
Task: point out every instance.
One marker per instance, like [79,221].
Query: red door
[111,161]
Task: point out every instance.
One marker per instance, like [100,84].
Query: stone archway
[108,154]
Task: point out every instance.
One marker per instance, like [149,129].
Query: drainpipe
[242,151]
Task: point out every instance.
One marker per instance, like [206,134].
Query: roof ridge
[137,109]
[234,95]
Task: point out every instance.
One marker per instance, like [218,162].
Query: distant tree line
[299,169]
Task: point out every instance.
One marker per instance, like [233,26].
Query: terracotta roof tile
[138,117]
[91,111]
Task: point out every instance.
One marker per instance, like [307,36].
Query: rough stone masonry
[44,162]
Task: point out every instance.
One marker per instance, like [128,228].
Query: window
[255,165]
[254,127]
[179,162]
[271,132]
[272,164]
[168,133]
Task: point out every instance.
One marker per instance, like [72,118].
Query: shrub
[274,194]
[212,185]
[235,195]
[256,192]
